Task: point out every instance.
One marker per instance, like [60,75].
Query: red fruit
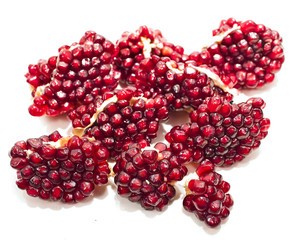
[124,120]
[144,42]
[204,166]
[146,175]
[223,134]
[182,84]
[59,168]
[197,186]
[247,56]
[80,73]
[208,197]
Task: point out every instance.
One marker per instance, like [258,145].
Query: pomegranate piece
[245,55]
[222,132]
[207,197]
[183,84]
[85,115]
[56,168]
[140,44]
[79,74]
[146,175]
[122,119]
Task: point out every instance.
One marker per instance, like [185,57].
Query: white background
[260,185]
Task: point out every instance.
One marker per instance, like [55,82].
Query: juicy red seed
[88,149]
[44,194]
[197,186]
[152,199]
[212,220]
[102,154]
[188,203]
[138,161]
[76,155]
[205,166]
[228,201]
[156,179]
[135,185]
[215,207]
[225,186]
[35,159]
[34,143]
[47,152]
[18,162]
[18,149]
[54,176]
[210,178]
[123,179]
[27,172]
[201,203]
[22,183]
[57,193]
[74,143]
[150,156]
[35,181]
[86,188]
[32,191]
[179,136]
[55,136]
[123,191]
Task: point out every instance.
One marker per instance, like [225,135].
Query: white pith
[134,99]
[218,38]
[175,70]
[79,131]
[148,46]
[216,79]
[40,90]
[60,143]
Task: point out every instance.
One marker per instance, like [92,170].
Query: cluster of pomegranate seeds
[183,84]
[127,119]
[207,197]
[247,55]
[220,131]
[81,116]
[143,43]
[56,168]
[80,72]
[146,175]
[40,74]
